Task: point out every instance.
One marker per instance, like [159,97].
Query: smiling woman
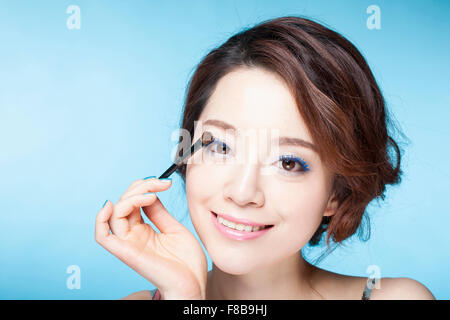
[313,89]
[294,75]
[327,88]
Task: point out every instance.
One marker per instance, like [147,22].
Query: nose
[243,186]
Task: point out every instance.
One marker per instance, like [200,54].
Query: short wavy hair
[337,96]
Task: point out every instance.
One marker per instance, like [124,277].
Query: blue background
[83,113]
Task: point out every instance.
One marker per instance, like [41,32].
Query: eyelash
[303,165]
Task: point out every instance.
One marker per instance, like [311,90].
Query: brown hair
[337,96]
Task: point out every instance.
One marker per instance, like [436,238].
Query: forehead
[254,98]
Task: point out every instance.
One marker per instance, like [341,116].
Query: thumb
[162,219]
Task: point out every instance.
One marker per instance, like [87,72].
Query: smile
[238,231]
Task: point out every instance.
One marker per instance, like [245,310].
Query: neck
[288,279]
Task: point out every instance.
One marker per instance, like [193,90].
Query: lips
[242,221]
[237,234]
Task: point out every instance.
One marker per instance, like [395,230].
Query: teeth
[238,226]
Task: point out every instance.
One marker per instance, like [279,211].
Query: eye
[293,164]
[219,147]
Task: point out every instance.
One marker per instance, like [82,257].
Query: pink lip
[242,221]
[236,234]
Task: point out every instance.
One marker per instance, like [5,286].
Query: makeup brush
[204,140]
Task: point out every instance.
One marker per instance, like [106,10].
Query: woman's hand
[172,260]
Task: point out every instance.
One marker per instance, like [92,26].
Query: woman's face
[245,181]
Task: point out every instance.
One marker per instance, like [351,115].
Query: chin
[234,268]
[237,265]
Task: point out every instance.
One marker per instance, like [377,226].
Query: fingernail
[149,177]
[166,179]
[104,204]
[149,193]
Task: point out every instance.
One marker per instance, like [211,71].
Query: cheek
[205,177]
[196,187]
[301,206]
[202,191]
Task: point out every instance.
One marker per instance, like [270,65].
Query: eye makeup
[218,145]
[220,149]
[296,160]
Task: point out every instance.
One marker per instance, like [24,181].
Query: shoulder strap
[156,295]
[368,289]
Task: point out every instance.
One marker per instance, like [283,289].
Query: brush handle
[204,140]
[169,171]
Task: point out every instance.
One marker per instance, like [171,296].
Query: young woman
[309,85]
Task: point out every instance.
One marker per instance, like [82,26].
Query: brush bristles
[207,138]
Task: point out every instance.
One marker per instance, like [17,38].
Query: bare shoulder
[140,295]
[400,289]
[335,286]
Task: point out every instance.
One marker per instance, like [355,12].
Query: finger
[120,225]
[161,218]
[132,186]
[101,222]
[150,185]
[107,240]
[135,218]
[102,228]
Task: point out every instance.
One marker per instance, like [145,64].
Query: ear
[331,206]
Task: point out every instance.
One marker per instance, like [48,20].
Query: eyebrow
[282,140]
